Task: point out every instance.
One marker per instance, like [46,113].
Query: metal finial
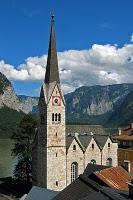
[52,15]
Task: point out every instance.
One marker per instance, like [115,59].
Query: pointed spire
[52,72]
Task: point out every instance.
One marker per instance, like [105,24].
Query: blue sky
[80,24]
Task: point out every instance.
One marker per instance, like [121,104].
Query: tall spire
[52,72]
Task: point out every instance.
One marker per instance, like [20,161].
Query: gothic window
[59,117]
[92,146]
[74,171]
[109,162]
[93,162]
[52,117]
[74,147]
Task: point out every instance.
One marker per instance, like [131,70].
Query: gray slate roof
[38,193]
[84,139]
[96,129]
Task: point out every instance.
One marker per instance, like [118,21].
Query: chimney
[119,131]
[130,186]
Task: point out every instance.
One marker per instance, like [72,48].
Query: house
[125,147]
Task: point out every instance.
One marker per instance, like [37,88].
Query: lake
[6,160]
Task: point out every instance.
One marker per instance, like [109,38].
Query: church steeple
[52,72]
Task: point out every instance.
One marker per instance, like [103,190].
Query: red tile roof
[126,134]
[115,177]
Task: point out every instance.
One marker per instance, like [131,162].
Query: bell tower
[49,149]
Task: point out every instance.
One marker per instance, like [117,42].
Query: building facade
[61,153]
[125,147]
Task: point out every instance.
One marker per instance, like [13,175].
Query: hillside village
[73,156]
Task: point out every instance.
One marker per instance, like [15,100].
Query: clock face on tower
[56,100]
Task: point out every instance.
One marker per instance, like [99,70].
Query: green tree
[23,139]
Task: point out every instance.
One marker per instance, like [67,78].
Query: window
[109,145]
[56,154]
[126,165]
[109,162]
[56,118]
[74,147]
[56,134]
[93,162]
[56,183]
[92,146]
[59,117]
[52,117]
[74,171]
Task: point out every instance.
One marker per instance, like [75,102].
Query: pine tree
[23,139]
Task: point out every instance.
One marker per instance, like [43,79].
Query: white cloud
[101,64]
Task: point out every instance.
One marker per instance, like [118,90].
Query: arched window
[109,162]
[59,117]
[93,162]
[56,117]
[74,171]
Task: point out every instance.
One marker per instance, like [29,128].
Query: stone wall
[75,156]
[110,152]
[92,154]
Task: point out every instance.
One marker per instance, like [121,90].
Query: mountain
[124,114]
[7,95]
[108,105]
[28,104]
[96,104]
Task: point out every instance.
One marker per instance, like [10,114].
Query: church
[61,152]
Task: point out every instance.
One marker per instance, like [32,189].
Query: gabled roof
[84,140]
[126,134]
[101,140]
[85,188]
[91,168]
[115,177]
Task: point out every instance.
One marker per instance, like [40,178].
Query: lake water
[6,160]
